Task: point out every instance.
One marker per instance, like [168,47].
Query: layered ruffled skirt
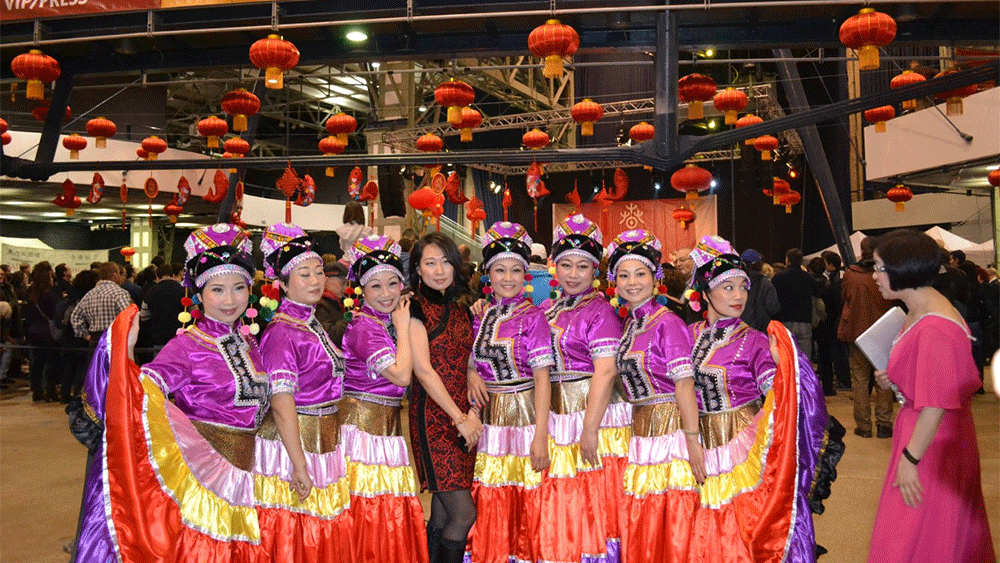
[582,505]
[505,488]
[388,521]
[319,528]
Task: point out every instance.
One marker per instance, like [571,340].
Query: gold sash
[236,445]
[371,418]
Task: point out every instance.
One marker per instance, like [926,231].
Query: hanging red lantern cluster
[153,146]
[746,121]
[41,111]
[788,200]
[866,32]
[732,102]
[779,187]
[331,145]
[553,41]
[341,125]
[690,180]
[101,128]
[240,104]
[641,132]
[37,68]
[213,128]
[74,144]
[954,97]
[907,78]
[470,120]
[684,216]
[765,144]
[454,95]
[535,139]
[695,89]
[430,142]
[899,195]
[586,113]
[275,56]
[879,116]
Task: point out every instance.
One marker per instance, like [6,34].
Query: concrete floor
[41,478]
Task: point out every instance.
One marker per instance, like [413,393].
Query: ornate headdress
[715,261]
[577,235]
[285,246]
[636,244]
[215,250]
[373,254]
[506,240]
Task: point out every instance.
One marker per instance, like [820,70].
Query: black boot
[433,543]
[450,551]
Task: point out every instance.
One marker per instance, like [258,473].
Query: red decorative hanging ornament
[96,189]
[4,126]
[879,116]
[101,128]
[152,189]
[183,191]
[553,41]
[37,68]
[213,128]
[535,139]
[907,78]
[506,202]
[141,153]
[732,102]
[41,111]
[454,95]
[536,187]
[641,132]
[68,199]
[123,194]
[74,144]
[586,113]
[341,125]
[470,120]
[453,189]
[788,200]
[127,252]
[237,213]
[369,194]
[620,180]
[684,216]
[779,187]
[746,121]
[866,32]
[153,146]
[240,104]
[354,182]
[3,132]
[954,97]
[690,180]
[426,201]
[899,195]
[994,178]
[275,56]
[236,147]
[307,193]
[173,210]
[217,191]
[765,145]
[573,198]
[329,146]
[696,89]
[289,183]
[475,213]
[430,142]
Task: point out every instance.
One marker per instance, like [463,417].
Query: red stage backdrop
[654,215]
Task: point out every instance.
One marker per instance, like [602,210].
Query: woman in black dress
[444,428]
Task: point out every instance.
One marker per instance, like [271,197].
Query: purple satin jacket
[369,348]
[732,364]
[584,327]
[215,373]
[513,338]
[655,352]
[301,358]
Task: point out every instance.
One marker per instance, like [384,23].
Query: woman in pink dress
[932,506]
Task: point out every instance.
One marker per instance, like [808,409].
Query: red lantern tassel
[288,210]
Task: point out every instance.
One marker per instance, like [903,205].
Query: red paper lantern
[101,128]
[41,111]
[154,146]
[238,146]
[240,104]
[6,138]
[475,213]
[173,210]
[907,78]
[746,121]
[899,195]
[994,178]
[553,41]
[690,180]
[779,187]
[329,146]
[731,101]
[74,144]
[535,139]
[641,132]
[866,32]
[586,113]
[127,252]
[765,145]
[954,97]
[454,95]
[4,126]
[683,215]
[788,200]
[141,153]
[879,116]
[695,89]
[37,68]
[274,55]
[470,120]
[213,128]
[341,125]
[430,143]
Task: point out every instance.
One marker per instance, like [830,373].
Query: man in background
[330,309]
[98,308]
[159,310]
[795,289]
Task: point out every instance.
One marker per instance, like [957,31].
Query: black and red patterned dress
[443,464]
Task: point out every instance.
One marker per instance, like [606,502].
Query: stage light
[357,36]
[710,53]
[792,172]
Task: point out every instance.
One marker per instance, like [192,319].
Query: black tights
[453,512]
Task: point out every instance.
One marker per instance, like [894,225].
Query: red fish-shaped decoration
[621,185]
[453,187]
[217,191]
[68,199]
[183,191]
[307,194]
[573,198]
[96,189]
[354,182]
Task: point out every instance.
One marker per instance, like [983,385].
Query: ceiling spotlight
[713,124]
[422,109]
[714,184]
[656,186]
[709,53]
[792,172]
[376,65]
[357,36]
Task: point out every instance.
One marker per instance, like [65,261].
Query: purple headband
[373,254]
[579,236]
[285,246]
[215,250]
[636,244]
[506,240]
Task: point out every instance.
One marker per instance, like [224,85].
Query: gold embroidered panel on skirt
[320,434]
[655,420]
[371,418]
[510,409]
[570,396]
[719,428]
[236,445]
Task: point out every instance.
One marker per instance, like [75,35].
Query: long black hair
[451,254]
